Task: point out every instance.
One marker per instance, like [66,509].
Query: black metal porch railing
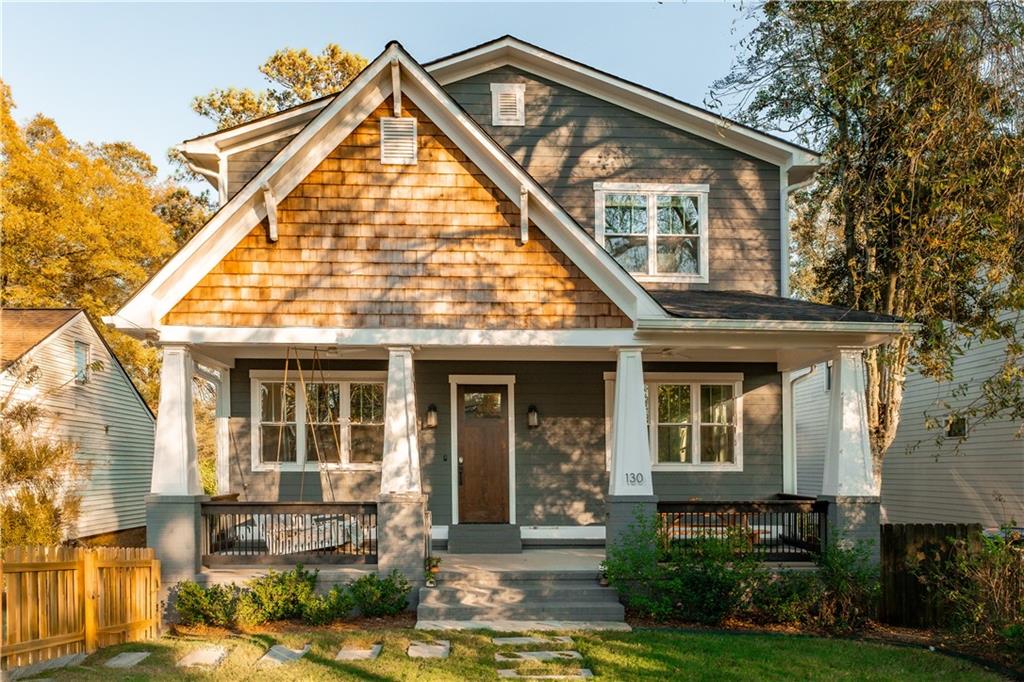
[288,532]
[773,530]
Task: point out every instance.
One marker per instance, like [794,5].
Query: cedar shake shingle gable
[367,245]
[22,329]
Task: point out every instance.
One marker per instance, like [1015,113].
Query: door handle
[460,471]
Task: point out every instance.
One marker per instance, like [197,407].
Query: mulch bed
[406,620]
[985,652]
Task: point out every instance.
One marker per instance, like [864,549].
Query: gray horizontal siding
[560,466]
[243,165]
[572,140]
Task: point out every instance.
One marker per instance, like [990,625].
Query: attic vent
[398,140]
[508,104]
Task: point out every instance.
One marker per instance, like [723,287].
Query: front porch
[373,457]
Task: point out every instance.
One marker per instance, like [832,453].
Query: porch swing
[308,533]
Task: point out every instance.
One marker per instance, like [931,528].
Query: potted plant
[431,567]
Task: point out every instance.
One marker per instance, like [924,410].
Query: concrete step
[447,594]
[583,611]
[482,577]
[484,538]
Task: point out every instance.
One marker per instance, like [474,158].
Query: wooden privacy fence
[60,601]
[905,600]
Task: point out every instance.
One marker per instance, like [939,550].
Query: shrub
[631,566]
[706,580]
[375,596]
[320,610]
[277,596]
[785,597]
[711,578]
[849,586]
[978,583]
[198,605]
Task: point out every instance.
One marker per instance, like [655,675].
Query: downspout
[789,451]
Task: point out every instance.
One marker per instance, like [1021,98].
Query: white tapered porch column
[222,425]
[175,463]
[401,508]
[849,482]
[173,505]
[630,486]
[400,468]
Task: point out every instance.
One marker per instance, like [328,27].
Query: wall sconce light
[532,417]
[432,416]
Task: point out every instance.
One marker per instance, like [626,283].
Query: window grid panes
[655,233]
[693,423]
[324,422]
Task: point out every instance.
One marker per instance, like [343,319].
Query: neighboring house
[449,287]
[87,397]
[926,477]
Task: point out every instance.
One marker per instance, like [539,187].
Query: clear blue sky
[109,72]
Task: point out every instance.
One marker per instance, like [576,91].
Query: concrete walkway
[555,559]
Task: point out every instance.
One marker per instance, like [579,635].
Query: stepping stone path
[207,657]
[539,657]
[527,641]
[359,654]
[439,648]
[279,654]
[129,659]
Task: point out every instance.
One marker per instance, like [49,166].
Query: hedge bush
[289,595]
[709,579]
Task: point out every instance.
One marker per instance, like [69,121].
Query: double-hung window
[695,421]
[656,232]
[329,419]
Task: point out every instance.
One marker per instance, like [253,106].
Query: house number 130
[633,478]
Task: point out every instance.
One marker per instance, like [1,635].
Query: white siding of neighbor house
[810,414]
[105,417]
[925,481]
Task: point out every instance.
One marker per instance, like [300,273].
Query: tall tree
[295,75]
[918,209]
[84,225]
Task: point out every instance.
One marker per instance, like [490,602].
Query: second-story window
[656,232]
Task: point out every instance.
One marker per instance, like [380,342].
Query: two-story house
[503,287]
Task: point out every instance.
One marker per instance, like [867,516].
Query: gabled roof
[22,329]
[319,137]
[511,51]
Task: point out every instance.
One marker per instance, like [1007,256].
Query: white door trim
[508,380]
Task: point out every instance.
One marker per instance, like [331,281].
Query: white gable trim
[509,51]
[307,149]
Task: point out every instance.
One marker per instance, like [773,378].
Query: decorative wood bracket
[271,205]
[524,215]
[396,87]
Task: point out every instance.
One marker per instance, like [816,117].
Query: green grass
[639,655]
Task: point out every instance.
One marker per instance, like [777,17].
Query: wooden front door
[483,454]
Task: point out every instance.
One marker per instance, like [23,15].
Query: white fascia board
[420,338]
[585,253]
[264,127]
[245,210]
[511,52]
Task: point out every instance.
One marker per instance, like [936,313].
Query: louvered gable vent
[398,140]
[508,104]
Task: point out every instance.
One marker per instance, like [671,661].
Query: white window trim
[508,380]
[651,190]
[85,375]
[519,90]
[652,379]
[256,377]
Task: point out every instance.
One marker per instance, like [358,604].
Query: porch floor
[547,559]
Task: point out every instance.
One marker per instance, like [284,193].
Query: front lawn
[639,655]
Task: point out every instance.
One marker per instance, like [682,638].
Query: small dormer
[508,104]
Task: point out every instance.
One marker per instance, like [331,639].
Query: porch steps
[484,538]
[480,595]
